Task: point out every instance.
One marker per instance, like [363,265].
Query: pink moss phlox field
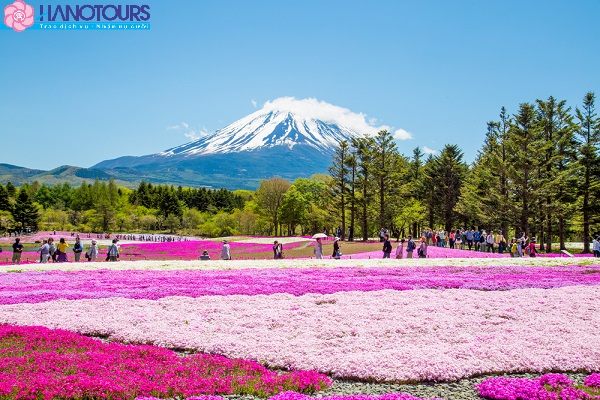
[593,381]
[33,287]
[433,252]
[388,396]
[37,362]
[387,335]
[191,250]
[546,387]
[183,250]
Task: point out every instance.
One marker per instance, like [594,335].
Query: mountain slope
[288,138]
[266,129]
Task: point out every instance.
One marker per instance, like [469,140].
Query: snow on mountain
[283,122]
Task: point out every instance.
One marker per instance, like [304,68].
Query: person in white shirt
[226,251]
[596,246]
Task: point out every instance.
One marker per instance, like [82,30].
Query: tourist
[318,249]
[62,251]
[490,240]
[531,248]
[53,253]
[113,252]
[205,256]
[458,241]
[387,246]
[596,246]
[92,253]
[226,251]
[476,239]
[410,247]
[469,236]
[482,241]
[44,251]
[17,250]
[77,249]
[278,250]
[442,242]
[514,248]
[400,249]
[501,242]
[422,252]
[336,249]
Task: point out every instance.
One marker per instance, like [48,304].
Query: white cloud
[402,134]
[313,108]
[177,127]
[427,150]
[196,134]
[192,134]
[254,104]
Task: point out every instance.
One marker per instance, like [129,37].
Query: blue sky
[437,69]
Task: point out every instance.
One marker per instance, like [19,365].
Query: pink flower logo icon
[18,15]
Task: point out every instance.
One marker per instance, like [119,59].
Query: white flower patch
[411,335]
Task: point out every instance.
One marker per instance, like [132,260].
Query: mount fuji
[289,138]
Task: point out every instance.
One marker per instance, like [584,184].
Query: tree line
[537,172]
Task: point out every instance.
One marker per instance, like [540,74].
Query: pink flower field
[311,320]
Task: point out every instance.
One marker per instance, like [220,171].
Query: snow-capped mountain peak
[283,122]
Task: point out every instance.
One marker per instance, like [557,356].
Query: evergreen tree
[340,177]
[385,157]
[364,178]
[12,190]
[523,162]
[169,203]
[448,171]
[4,200]
[25,212]
[557,146]
[351,164]
[588,138]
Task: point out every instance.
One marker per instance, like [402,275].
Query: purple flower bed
[35,287]
[37,362]
[185,250]
[546,387]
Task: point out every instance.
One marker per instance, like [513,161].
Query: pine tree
[4,200]
[557,147]
[385,156]
[448,171]
[523,162]
[339,173]
[364,178]
[25,212]
[588,138]
[12,190]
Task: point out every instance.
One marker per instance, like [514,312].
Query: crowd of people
[51,251]
[481,240]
